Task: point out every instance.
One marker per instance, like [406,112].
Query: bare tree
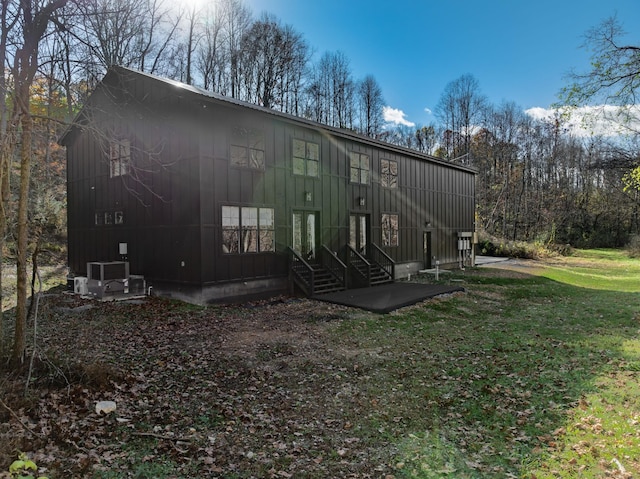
[370,103]
[132,33]
[615,69]
[212,57]
[237,18]
[331,91]
[272,58]
[460,111]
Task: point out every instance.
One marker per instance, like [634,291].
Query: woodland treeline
[537,180]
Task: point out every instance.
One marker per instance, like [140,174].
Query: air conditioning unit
[136,284]
[107,278]
[80,285]
[107,271]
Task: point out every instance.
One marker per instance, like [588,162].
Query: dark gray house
[211,198]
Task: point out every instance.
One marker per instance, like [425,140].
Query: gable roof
[203,95]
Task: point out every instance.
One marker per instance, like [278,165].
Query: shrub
[492,246]
[633,247]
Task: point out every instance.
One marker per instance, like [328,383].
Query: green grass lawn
[530,374]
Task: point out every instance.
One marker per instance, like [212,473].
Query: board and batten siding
[182,140]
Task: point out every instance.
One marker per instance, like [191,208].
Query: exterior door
[305,233]
[426,246]
[359,232]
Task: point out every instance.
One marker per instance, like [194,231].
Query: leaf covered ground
[520,376]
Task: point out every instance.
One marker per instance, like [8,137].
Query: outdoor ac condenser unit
[107,278]
[80,285]
[106,271]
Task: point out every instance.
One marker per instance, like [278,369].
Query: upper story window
[247,148]
[389,173]
[389,230]
[119,158]
[306,158]
[247,229]
[359,166]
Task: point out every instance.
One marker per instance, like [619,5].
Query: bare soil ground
[253,390]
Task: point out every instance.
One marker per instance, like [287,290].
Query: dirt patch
[205,391]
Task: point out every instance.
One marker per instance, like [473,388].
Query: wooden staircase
[374,269]
[325,281]
[325,275]
[328,274]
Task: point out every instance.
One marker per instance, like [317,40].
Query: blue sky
[518,50]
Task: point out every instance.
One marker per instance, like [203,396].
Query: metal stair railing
[301,272]
[334,265]
[359,266]
[383,260]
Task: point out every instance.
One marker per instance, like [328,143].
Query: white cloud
[600,120]
[428,111]
[393,115]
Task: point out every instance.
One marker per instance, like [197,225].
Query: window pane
[230,239]
[364,162]
[249,216]
[267,233]
[364,176]
[249,230]
[298,148]
[389,230]
[230,216]
[266,240]
[297,232]
[312,168]
[311,235]
[352,231]
[354,159]
[298,166]
[355,175]
[239,156]
[230,229]
[257,159]
[266,217]
[313,151]
[256,140]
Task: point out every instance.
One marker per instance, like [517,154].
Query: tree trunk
[23,236]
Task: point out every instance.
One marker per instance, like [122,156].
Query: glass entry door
[359,232]
[305,233]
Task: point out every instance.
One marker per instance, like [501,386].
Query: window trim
[263,225]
